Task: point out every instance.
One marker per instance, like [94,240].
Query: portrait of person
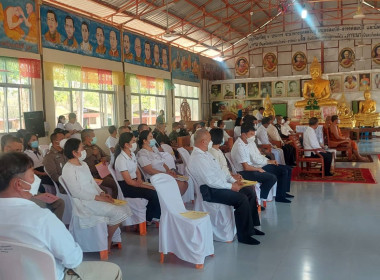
[218,107]
[216,91]
[293,88]
[113,45]
[52,35]
[31,22]
[164,59]
[350,83]
[128,55]
[266,89]
[241,66]
[299,61]
[70,29]
[12,22]
[253,90]
[138,50]
[346,57]
[228,91]
[335,83]
[375,81]
[270,62]
[85,44]
[100,49]
[376,54]
[147,53]
[364,81]
[279,88]
[240,90]
[156,56]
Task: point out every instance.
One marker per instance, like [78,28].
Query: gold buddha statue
[367,115]
[320,87]
[268,108]
[346,116]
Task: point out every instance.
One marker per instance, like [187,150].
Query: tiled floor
[329,232]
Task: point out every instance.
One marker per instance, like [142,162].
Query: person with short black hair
[70,40]
[100,38]
[127,122]
[259,115]
[237,128]
[310,142]
[279,123]
[111,141]
[123,129]
[61,122]
[161,117]
[220,124]
[52,35]
[73,126]
[142,127]
[210,123]
[4,140]
[176,129]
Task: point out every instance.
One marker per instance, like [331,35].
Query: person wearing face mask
[279,123]
[73,126]
[219,186]
[31,149]
[196,127]
[220,124]
[61,122]
[129,176]
[282,172]
[174,134]
[55,159]
[285,128]
[337,136]
[152,162]
[95,155]
[93,205]
[161,136]
[183,128]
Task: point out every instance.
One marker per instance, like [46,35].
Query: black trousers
[45,180]
[283,174]
[327,159]
[289,154]
[244,203]
[266,179]
[153,209]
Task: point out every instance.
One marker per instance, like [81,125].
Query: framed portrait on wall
[293,88]
[219,107]
[253,90]
[266,89]
[299,61]
[270,62]
[364,81]
[279,89]
[302,84]
[350,82]
[346,57]
[216,92]
[376,81]
[375,54]
[336,83]
[240,90]
[228,91]
[241,66]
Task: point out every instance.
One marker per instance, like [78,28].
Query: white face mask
[33,186]
[198,128]
[83,155]
[209,145]
[224,127]
[338,121]
[185,126]
[282,121]
[178,130]
[134,147]
[62,143]
[251,139]
[255,126]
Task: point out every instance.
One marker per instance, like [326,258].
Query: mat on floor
[345,159]
[341,175]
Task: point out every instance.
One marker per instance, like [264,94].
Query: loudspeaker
[34,123]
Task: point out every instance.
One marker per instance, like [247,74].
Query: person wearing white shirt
[310,142]
[220,124]
[196,126]
[285,128]
[262,139]
[237,128]
[111,142]
[129,176]
[21,220]
[73,126]
[259,116]
[92,205]
[217,187]
[61,122]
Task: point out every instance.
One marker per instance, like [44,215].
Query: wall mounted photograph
[293,88]
[240,90]
[228,91]
[336,83]
[364,81]
[253,90]
[270,62]
[299,61]
[241,66]
[346,57]
[375,54]
[266,89]
[216,92]
[350,82]
[279,89]
[375,81]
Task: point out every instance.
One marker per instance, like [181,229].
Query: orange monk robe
[114,53]
[55,38]
[354,145]
[33,30]
[74,44]
[101,49]
[15,33]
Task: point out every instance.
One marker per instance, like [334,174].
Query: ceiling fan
[359,13]
[169,33]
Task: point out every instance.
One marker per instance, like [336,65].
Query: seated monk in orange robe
[12,22]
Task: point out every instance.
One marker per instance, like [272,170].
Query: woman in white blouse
[221,125]
[92,205]
[61,122]
[237,129]
[31,149]
[152,162]
[129,176]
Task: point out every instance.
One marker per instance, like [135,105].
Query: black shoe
[284,200]
[250,241]
[329,174]
[262,208]
[289,195]
[258,232]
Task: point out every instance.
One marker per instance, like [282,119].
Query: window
[15,96]
[191,94]
[148,97]
[93,103]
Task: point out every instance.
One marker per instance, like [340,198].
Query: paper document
[47,197]
[182,178]
[194,214]
[102,169]
[247,183]
[119,202]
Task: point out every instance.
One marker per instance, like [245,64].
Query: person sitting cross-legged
[219,187]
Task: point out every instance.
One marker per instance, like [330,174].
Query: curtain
[26,68]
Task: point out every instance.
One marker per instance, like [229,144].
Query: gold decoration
[270,62]
[345,114]
[268,108]
[299,61]
[320,87]
[367,115]
[185,111]
[346,57]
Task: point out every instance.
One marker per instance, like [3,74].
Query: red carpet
[342,175]
[378,156]
[345,159]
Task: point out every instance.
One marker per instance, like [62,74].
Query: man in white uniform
[74,127]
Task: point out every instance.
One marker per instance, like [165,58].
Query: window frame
[187,98]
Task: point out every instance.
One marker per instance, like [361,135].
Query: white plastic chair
[23,261]
[168,149]
[92,239]
[221,215]
[137,205]
[67,213]
[189,239]
[185,155]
